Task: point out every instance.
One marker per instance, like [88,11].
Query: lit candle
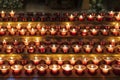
[12,31]
[81,18]
[2,14]
[42,48]
[67,68]
[73,31]
[68,26]
[54,68]
[113,42]
[48,60]
[90,18]
[43,31]
[8,26]
[60,60]
[42,68]
[76,48]
[117,17]
[110,48]
[87,48]
[84,32]
[111,13]
[38,26]
[99,48]
[108,60]
[94,31]
[11,60]
[26,42]
[18,26]
[29,68]
[31,49]
[72,61]
[104,32]
[32,31]
[54,48]
[4,42]
[2,31]
[71,17]
[115,31]
[16,68]
[116,69]
[92,68]
[117,26]
[22,31]
[99,18]
[96,60]
[29,26]
[4,69]
[9,49]
[36,60]
[52,31]
[65,48]
[12,13]
[85,60]
[37,42]
[105,69]
[63,32]
[1,60]
[79,68]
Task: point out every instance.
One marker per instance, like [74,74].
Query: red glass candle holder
[105,69]
[4,69]
[42,68]
[54,68]
[79,69]
[16,68]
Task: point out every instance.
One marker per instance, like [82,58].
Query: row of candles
[55,68]
[71,17]
[62,31]
[85,60]
[64,48]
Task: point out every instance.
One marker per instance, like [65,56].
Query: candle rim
[83,67]
[13,67]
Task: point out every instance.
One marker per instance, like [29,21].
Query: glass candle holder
[4,69]
[96,60]
[87,48]
[84,32]
[31,49]
[29,26]
[113,42]
[22,32]
[116,69]
[29,68]
[53,31]
[54,68]
[60,60]
[11,60]
[26,42]
[65,48]
[43,31]
[115,31]
[105,69]
[42,68]
[117,17]
[37,41]
[9,48]
[63,31]
[12,13]
[76,48]
[104,32]
[94,31]
[117,59]
[54,48]
[90,18]
[2,14]
[71,17]
[48,60]
[85,60]
[16,68]
[110,48]
[79,68]
[99,18]
[2,31]
[99,49]
[111,13]
[73,31]
[68,26]
[36,60]
[32,31]
[72,61]
[81,18]
[12,31]
[18,26]
[92,68]
[42,48]
[67,68]
[9,26]
[108,60]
